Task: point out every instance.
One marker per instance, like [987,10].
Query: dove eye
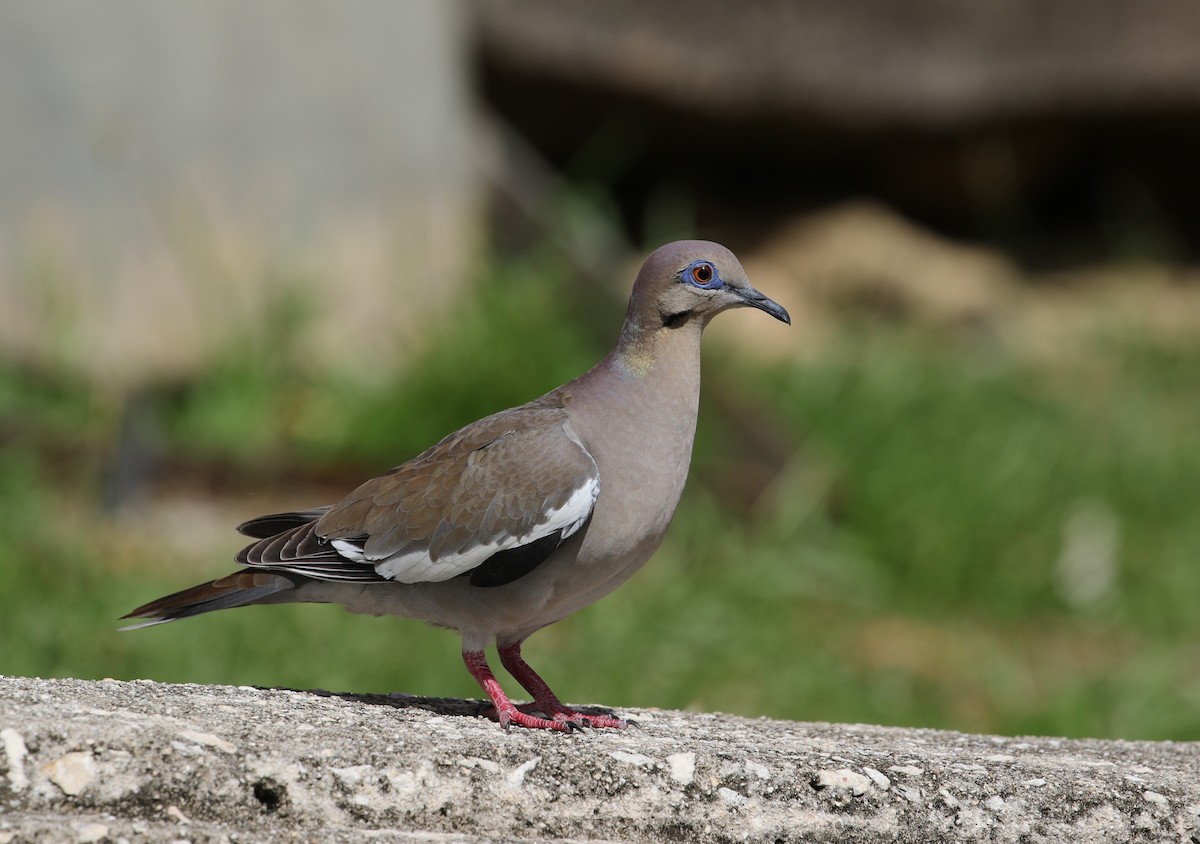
[702,274]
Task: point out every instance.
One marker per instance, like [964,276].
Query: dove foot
[554,715]
[544,700]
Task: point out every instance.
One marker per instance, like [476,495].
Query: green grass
[898,562]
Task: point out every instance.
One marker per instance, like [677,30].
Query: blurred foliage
[907,561]
[512,340]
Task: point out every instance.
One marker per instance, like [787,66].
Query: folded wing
[493,500]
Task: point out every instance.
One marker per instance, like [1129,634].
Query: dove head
[687,283]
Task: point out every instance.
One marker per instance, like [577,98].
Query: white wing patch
[418,567]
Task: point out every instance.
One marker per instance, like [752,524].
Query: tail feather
[233,590]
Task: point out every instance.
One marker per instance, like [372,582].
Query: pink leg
[506,710]
[544,700]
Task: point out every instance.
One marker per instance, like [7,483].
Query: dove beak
[753,299]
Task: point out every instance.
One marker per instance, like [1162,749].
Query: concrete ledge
[142,761]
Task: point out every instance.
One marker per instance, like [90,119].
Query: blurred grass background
[960,491]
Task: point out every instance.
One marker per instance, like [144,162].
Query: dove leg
[544,699]
[506,711]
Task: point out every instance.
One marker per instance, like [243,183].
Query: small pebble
[15,752]
[631,758]
[90,833]
[72,772]
[879,778]
[516,777]
[843,779]
[730,797]
[682,767]
[757,769]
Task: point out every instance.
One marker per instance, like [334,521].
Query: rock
[879,778]
[90,833]
[100,755]
[14,757]
[631,758]
[682,767]
[844,780]
[71,772]
[516,777]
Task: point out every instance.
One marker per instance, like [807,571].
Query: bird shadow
[400,700]
[454,707]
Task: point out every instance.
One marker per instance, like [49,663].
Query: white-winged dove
[520,519]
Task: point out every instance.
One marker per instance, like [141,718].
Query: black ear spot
[675,320]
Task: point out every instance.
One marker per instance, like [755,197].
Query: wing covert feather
[505,481]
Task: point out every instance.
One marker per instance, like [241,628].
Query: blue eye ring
[702,274]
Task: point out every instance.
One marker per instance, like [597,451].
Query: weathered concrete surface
[105,761]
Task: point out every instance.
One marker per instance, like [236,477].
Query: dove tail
[234,590]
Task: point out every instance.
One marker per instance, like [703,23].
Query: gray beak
[754,299]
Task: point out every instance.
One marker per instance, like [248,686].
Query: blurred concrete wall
[919,64]
[1060,132]
[163,164]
